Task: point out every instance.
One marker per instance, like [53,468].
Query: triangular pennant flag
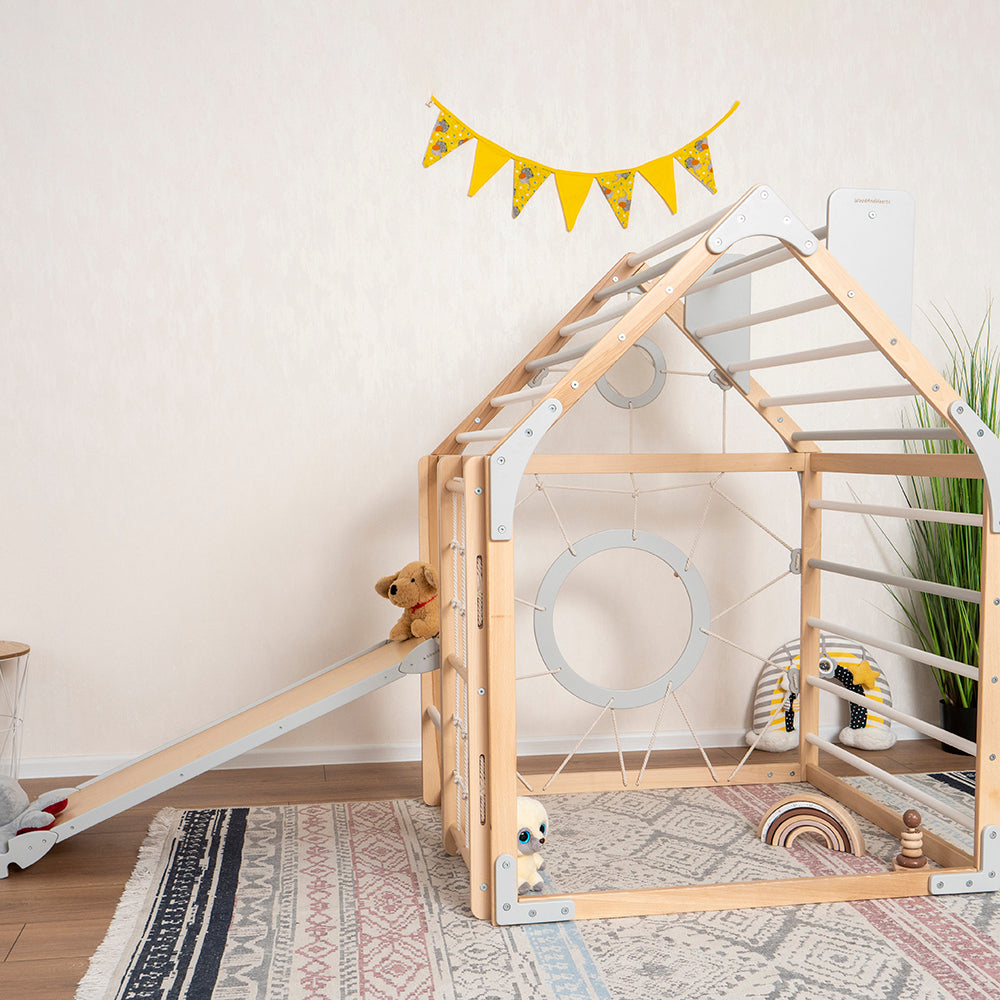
[573,188]
[449,133]
[489,159]
[528,178]
[696,159]
[660,175]
[617,189]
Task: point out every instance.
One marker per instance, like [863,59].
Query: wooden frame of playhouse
[466,517]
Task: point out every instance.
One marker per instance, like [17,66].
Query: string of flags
[573,186]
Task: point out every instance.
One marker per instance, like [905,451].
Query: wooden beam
[944,466]
[430,684]
[653,464]
[810,607]
[988,738]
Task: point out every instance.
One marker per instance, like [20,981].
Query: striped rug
[359,900]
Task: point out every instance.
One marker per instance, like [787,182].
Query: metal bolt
[893,341]
[872,215]
[993,874]
[939,885]
[791,774]
[528,432]
[615,278]
[621,336]
[763,194]
[553,408]
[501,529]
[717,242]
[960,409]
[483,887]
[809,244]
[670,289]
[935,387]
[781,420]
[741,218]
[996,600]
[501,460]
[969,883]
[479,420]
[575,385]
[993,680]
[770,774]
[993,835]
[505,865]
[482,691]
[532,913]
[979,433]
[787,220]
[506,906]
[564,911]
[850,294]
[479,491]
[993,756]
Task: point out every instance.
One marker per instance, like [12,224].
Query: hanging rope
[652,735]
[539,485]
[750,597]
[748,515]
[760,736]
[621,756]
[704,517]
[520,777]
[697,742]
[569,756]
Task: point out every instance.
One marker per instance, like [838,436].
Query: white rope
[635,507]
[749,516]
[544,673]
[671,371]
[750,597]
[760,736]
[569,756]
[631,425]
[725,396]
[528,604]
[520,777]
[621,756]
[652,735]
[767,661]
[694,736]
[539,485]
[670,489]
[704,517]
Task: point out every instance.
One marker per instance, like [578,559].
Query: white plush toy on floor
[532,826]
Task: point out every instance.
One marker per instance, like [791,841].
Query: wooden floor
[55,914]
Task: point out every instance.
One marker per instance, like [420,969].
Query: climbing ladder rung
[568,354]
[524,396]
[750,264]
[841,395]
[456,485]
[604,316]
[486,434]
[911,791]
[678,238]
[767,316]
[878,434]
[627,284]
[878,708]
[909,583]
[890,646]
[799,357]
[909,513]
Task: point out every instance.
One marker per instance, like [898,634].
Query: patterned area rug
[358,900]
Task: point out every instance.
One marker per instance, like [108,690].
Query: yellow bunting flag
[528,178]
[659,174]
[573,186]
[696,159]
[617,188]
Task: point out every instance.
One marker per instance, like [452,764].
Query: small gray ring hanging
[612,395]
[556,576]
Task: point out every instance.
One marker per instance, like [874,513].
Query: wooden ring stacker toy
[816,814]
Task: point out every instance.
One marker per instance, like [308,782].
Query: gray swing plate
[543,910]
[987,879]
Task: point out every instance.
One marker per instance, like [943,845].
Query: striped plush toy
[776,701]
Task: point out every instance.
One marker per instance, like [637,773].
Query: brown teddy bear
[413,588]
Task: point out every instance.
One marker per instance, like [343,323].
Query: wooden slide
[309,699]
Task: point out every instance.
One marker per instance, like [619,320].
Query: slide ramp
[222,741]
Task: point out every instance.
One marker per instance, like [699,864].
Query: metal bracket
[544,910]
[987,879]
[986,446]
[508,462]
[422,660]
[761,213]
[26,848]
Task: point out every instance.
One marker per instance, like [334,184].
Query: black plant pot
[959,720]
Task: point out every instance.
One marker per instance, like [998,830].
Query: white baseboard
[380,753]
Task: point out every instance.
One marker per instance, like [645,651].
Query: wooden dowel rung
[435,716]
[486,434]
[841,395]
[604,316]
[678,238]
[453,663]
[877,708]
[524,396]
[908,513]
[913,791]
[766,316]
[879,434]
[800,357]
[890,646]
[568,354]
[909,583]
[455,485]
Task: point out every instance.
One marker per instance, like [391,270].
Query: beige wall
[236,310]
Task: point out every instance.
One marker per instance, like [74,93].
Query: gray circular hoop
[612,395]
[548,591]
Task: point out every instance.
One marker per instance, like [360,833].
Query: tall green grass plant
[950,553]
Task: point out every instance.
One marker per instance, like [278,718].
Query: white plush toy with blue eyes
[532,826]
